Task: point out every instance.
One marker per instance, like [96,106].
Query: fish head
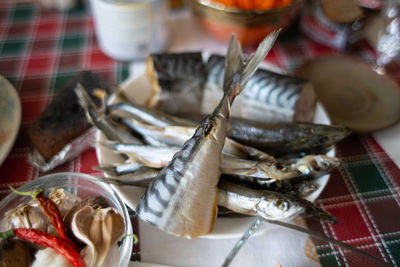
[327,135]
[317,164]
[322,163]
[277,208]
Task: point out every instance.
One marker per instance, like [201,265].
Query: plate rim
[14,96]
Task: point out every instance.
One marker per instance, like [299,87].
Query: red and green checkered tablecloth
[41,49]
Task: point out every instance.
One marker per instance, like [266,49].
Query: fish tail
[238,71]
[321,214]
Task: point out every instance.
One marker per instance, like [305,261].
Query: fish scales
[265,86]
[191,209]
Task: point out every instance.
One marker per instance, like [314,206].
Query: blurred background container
[130,29]
[250,26]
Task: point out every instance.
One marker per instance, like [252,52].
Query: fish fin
[318,213]
[258,56]
[234,63]
[239,71]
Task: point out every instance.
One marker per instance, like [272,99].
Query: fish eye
[209,127]
[323,165]
[282,205]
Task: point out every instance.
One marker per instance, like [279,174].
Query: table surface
[41,49]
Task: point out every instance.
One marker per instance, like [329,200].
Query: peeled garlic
[100,230]
[26,215]
[50,258]
[64,200]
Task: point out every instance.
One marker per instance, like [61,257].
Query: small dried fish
[258,183]
[286,138]
[130,170]
[273,138]
[97,117]
[168,203]
[147,115]
[158,157]
[269,205]
[119,169]
[300,187]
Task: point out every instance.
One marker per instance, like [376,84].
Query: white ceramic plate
[139,89]
[10,117]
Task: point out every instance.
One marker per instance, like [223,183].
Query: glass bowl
[250,26]
[84,186]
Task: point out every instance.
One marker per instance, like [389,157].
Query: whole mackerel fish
[183,199]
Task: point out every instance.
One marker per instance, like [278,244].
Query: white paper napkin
[283,246]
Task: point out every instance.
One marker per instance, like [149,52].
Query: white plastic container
[131,29]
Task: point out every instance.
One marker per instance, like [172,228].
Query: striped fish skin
[183,199]
[265,86]
[177,81]
[162,204]
[269,205]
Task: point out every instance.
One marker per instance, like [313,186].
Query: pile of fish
[191,167]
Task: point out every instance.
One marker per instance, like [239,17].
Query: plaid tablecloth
[41,49]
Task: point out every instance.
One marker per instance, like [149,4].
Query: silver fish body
[98,118]
[268,204]
[178,135]
[149,156]
[273,138]
[159,156]
[148,115]
[286,138]
[183,199]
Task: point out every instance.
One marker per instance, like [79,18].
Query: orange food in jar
[255,4]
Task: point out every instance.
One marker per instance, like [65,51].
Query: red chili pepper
[43,238]
[51,210]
